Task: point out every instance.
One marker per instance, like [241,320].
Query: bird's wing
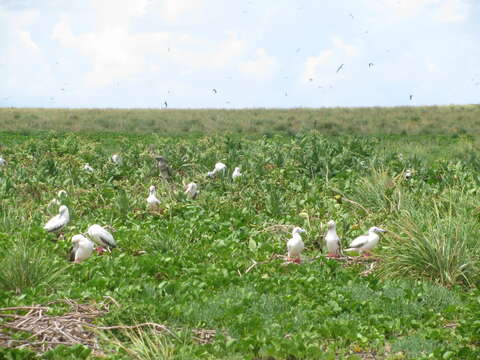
[359,242]
[106,238]
[55,223]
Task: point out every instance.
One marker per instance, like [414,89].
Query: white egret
[333,241]
[219,167]
[117,159]
[82,248]
[236,173]
[408,174]
[58,221]
[364,243]
[88,168]
[2,161]
[191,190]
[295,245]
[101,237]
[152,199]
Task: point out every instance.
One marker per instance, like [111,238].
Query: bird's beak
[381,230]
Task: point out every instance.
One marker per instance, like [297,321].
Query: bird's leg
[332,255]
[297,260]
[366,254]
[100,250]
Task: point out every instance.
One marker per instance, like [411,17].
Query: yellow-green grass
[374,120]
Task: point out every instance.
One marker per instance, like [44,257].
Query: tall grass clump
[25,266]
[435,241]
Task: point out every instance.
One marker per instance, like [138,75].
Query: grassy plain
[418,300]
[330,121]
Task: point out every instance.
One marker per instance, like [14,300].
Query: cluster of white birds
[363,243]
[83,246]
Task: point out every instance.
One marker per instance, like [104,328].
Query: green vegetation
[418,300]
[400,120]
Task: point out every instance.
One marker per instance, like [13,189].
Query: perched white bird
[58,221]
[408,174]
[192,190]
[332,240]
[236,173]
[88,168]
[364,243]
[219,167]
[101,237]
[58,200]
[82,248]
[152,199]
[117,159]
[295,245]
[2,161]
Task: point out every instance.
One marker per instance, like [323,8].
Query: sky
[238,54]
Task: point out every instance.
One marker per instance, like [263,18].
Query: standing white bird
[58,221]
[117,159]
[101,237]
[88,168]
[82,248]
[152,199]
[192,190]
[364,243]
[408,174]
[295,245]
[236,173]
[219,167]
[333,241]
[2,161]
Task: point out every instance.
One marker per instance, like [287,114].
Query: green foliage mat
[185,265]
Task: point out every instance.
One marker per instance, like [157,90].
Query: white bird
[364,243]
[58,221]
[236,173]
[333,241]
[101,237]
[152,199]
[219,167]
[57,201]
[88,168]
[192,190]
[295,245]
[82,248]
[2,161]
[117,159]
[408,174]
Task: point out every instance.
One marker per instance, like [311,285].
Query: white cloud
[325,64]
[263,66]
[110,13]
[116,53]
[314,62]
[175,10]
[399,10]
[453,10]
[431,66]
[349,50]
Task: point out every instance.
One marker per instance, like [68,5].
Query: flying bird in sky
[370,65]
[339,68]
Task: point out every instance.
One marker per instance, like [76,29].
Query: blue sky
[264,53]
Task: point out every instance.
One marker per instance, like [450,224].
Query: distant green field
[211,269]
[334,121]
